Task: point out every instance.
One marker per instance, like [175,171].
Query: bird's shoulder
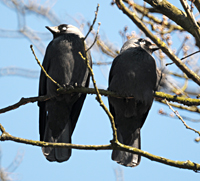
[136,56]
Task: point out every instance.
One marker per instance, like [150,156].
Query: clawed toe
[68,86]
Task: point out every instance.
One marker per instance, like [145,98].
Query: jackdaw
[132,74]
[58,116]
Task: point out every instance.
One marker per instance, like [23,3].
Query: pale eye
[64,28]
[142,42]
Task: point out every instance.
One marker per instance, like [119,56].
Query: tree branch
[98,98]
[179,164]
[175,14]
[158,42]
[191,18]
[47,75]
[187,108]
[96,37]
[146,12]
[107,50]
[175,98]
[84,90]
[197,4]
[95,18]
[177,114]
[24,101]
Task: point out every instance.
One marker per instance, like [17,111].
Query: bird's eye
[64,28]
[142,42]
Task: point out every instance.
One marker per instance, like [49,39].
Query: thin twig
[180,48]
[106,49]
[95,18]
[184,57]
[176,75]
[177,114]
[98,98]
[2,129]
[190,54]
[24,101]
[101,63]
[179,106]
[43,68]
[95,38]
[162,112]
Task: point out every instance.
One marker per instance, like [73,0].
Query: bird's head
[64,29]
[145,44]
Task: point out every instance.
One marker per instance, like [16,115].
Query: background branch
[156,40]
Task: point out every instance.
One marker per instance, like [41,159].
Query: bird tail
[56,153]
[126,158]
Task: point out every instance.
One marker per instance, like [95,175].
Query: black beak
[153,47]
[53,29]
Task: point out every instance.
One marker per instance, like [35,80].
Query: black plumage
[58,116]
[133,74]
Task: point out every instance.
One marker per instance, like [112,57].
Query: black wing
[112,110]
[112,67]
[43,92]
[76,109]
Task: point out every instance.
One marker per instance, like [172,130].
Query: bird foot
[77,85]
[68,86]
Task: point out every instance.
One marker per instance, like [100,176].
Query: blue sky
[161,135]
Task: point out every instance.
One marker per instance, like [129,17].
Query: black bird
[133,74]
[58,116]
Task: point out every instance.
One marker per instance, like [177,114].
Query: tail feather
[57,154]
[126,158]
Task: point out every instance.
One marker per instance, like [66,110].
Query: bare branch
[47,75]
[176,15]
[191,17]
[84,90]
[24,101]
[147,12]
[177,114]
[197,4]
[184,57]
[187,108]
[179,164]
[106,49]
[188,23]
[101,63]
[158,42]
[94,39]
[95,18]
[12,70]
[98,98]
